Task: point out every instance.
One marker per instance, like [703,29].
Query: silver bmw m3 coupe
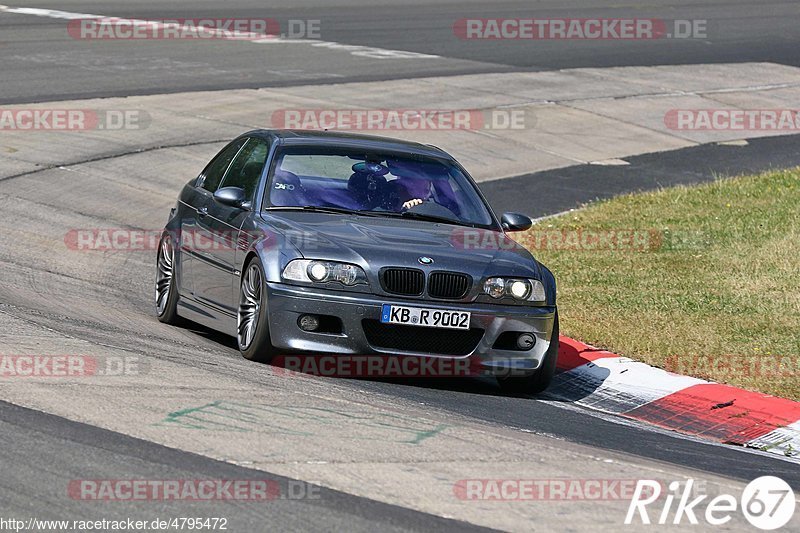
[330,243]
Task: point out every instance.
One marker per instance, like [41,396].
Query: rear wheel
[539,380]
[166,290]
[252,324]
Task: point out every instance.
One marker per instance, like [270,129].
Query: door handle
[203,211]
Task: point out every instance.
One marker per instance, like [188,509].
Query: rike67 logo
[767,502]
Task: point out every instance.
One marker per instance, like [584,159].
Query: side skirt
[207,316]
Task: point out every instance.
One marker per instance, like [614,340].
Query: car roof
[350,140]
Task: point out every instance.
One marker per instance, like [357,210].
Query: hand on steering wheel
[411,203]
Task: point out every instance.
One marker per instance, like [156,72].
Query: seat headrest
[287,178]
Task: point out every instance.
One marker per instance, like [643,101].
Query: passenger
[367,185]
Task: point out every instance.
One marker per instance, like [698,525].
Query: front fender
[272,247]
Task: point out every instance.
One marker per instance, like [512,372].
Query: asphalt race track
[41,62]
[376,454]
[28,436]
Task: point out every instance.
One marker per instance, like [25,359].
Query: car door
[217,278]
[195,238]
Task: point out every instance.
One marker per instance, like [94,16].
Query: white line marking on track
[740,142]
[610,163]
[51,13]
[371,51]
[354,50]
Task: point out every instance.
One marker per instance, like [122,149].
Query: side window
[214,172]
[247,167]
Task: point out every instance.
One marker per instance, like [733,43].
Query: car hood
[375,242]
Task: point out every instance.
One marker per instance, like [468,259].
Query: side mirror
[515,222]
[232,196]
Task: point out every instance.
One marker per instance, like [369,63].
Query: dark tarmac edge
[554,191]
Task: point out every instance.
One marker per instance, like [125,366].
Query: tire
[166,293]
[538,381]
[252,321]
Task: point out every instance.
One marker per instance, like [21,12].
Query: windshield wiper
[391,214]
[429,218]
[315,209]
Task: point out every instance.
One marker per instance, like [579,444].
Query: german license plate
[420,316]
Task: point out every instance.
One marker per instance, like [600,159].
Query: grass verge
[701,280]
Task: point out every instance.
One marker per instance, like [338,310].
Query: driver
[414,186]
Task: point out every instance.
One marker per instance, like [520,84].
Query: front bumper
[287,302]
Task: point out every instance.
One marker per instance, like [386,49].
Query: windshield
[372,183]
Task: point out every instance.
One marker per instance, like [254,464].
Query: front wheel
[252,324]
[539,380]
[166,289]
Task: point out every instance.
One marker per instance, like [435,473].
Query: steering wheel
[429,207]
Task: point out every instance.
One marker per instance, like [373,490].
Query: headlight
[495,287]
[531,290]
[318,271]
[519,288]
[324,271]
